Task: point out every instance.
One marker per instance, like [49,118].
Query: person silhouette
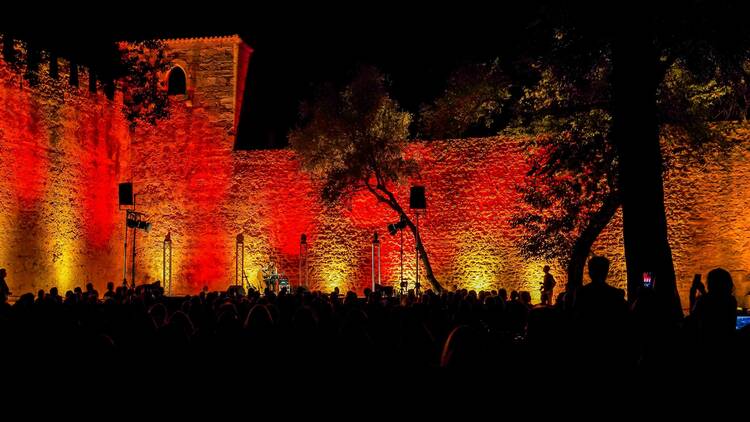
[54,295]
[271,274]
[598,302]
[110,293]
[91,294]
[600,315]
[548,287]
[697,289]
[716,311]
[4,290]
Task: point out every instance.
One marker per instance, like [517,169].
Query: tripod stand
[403,283]
[392,229]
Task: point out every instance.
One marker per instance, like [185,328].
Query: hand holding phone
[698,284]
[648,280]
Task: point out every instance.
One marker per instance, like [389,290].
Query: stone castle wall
[63,150]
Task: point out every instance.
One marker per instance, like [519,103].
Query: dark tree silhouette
[353,139]
[646,44]
[638,72]
[570,192]
[143,68]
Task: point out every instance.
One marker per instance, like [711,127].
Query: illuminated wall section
[709,213]
[61,153]
[183,168]
[64,150]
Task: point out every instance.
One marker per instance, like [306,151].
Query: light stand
[375,246]
[392,229]
[417,285]
[403,283]
[239,259]
[125,253]
[303,261]
[167,264]
[418,203]
[136,221]
[125,197]
[132,280]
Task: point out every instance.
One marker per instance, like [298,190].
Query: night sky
[298,47]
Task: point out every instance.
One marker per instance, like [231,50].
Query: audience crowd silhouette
[593,329]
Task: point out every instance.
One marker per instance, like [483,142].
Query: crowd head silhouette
[457,331]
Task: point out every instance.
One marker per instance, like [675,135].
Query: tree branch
[557,111]
[379,197]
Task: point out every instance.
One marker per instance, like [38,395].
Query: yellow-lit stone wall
[708,200]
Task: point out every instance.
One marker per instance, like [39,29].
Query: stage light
[395,227]
[135,221]
[144,225]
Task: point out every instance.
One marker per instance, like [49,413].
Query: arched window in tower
[177,82]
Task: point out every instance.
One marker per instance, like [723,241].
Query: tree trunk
[391,201]
[586,239]
[635,131]
[423,256]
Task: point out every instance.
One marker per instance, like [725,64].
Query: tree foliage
[563,191]
[353,138]
[476,95]
[571,190]
[563,103]
[562,109]
[144,66]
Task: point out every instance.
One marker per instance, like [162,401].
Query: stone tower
[210,73]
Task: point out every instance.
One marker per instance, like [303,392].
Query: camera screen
[742,321]
[648,279]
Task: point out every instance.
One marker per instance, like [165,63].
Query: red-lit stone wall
[61,154]
[63,151]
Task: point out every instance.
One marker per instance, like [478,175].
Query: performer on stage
[271,274]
